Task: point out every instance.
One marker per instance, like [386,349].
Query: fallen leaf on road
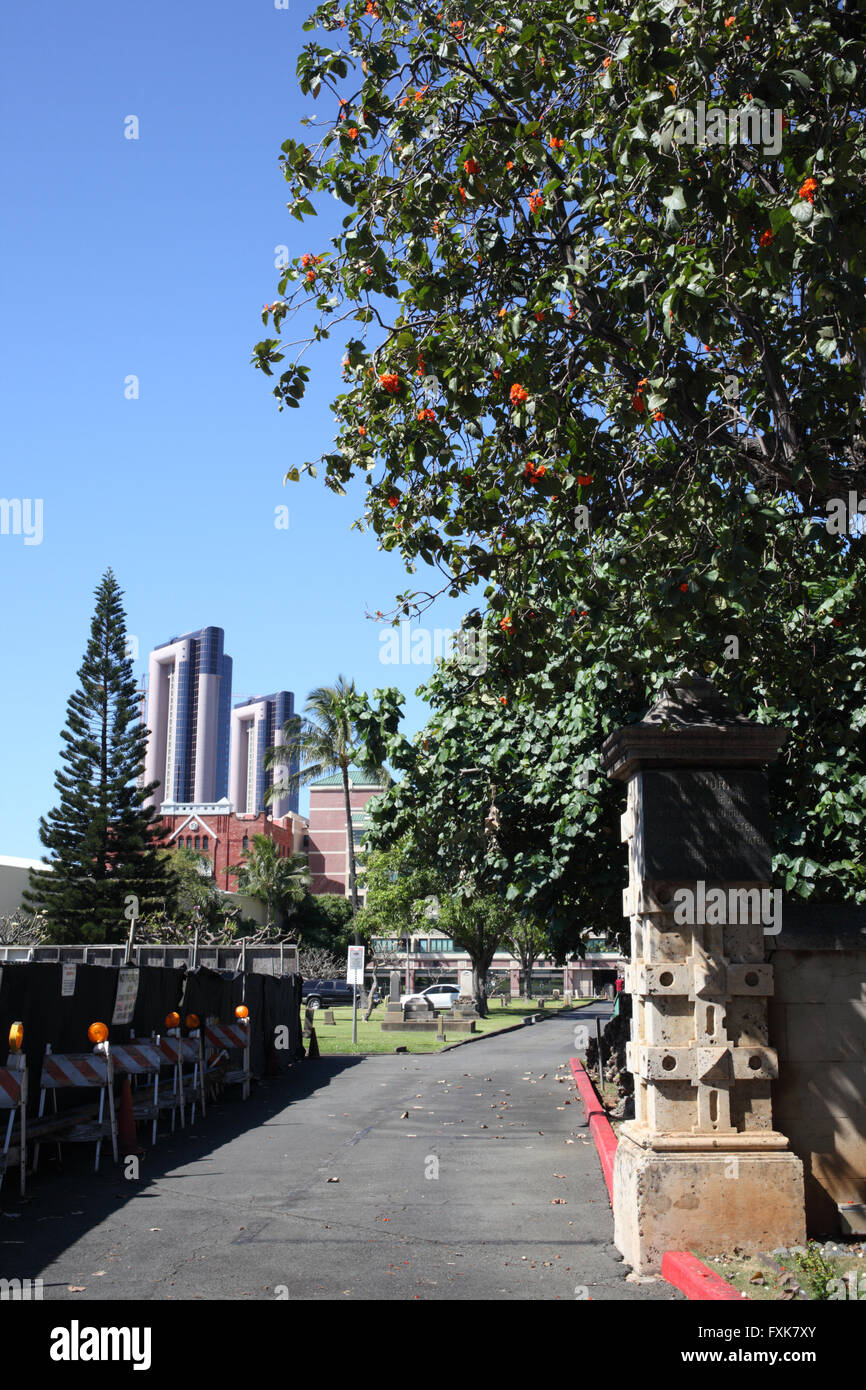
[559,1175]
[558,1202]
[156,1228]
[97,1274]
[76,1288]
[404,1115]
[333,1179]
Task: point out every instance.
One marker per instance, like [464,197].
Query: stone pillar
[700,1167]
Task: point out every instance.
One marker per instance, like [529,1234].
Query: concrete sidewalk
[489,1189]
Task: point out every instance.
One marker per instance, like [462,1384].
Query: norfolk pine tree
[101,839]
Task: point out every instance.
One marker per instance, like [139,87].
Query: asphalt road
[463,1175]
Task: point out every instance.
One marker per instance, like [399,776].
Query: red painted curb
[692,1278]
[683,1270]
[599,1125]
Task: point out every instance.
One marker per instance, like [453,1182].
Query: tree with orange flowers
[679,319]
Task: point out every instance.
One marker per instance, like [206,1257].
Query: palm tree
[278,881]
[326,742]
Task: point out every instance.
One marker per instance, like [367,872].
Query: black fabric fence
[56,1003]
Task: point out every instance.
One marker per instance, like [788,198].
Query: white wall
[14,880]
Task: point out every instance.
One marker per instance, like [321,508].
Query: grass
[336,1039]
[821,1277]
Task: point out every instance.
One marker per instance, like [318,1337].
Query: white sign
[67,980]
[127,990]
[355,968]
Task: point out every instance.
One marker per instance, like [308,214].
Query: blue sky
[153,257]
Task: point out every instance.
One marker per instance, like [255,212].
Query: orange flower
[539,317]
[500,28]
[390,382]
[352,132]
[731,19]
[518,394]
[502,312]
[306,259]
[506,624]
[684,588]
[556,143]
[658,415]
[510,164]
[420,92]
[637,403]
[457,25]
[462,192]
[584,479]
[502,700]
[311,275]
[496,374]
[643,381]
[807,189]
[766,238]
[362,430]
[590,19]
[372,8]
[392,501]
[426,415]
[606,63]
[471,166]
[536,202]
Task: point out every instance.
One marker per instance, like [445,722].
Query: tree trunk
[479,974]
[353,891]
[370,997]
[526,966]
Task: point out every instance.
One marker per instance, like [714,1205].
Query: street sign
[355,967]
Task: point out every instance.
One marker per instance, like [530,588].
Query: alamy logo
[748,125]
[22,516]
[20,1290]
[737,906]
[77,1343]
[846,517]
[467,647]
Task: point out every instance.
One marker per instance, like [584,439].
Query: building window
[189,842]
[196,842]
[441,944]
[245,843]
[205,842]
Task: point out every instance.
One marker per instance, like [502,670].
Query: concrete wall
[817,1022]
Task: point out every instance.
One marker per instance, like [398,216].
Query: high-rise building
[188,716]
[256,726]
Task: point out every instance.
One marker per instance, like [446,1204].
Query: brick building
[328,848]
[215,829]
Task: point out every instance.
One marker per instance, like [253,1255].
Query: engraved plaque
[704,824]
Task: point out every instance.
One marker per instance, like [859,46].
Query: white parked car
[440,996]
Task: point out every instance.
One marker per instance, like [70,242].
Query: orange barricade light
[242,1011]
[172,1020]
[97,1032]
[16,1037]
[192,1021]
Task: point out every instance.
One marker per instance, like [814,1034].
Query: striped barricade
[184,1056]
[78,1071]
[231,1037]
[13,1097]
[141,1058]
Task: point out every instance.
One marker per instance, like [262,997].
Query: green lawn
[336,1038]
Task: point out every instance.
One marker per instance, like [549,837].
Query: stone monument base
[704,1201]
